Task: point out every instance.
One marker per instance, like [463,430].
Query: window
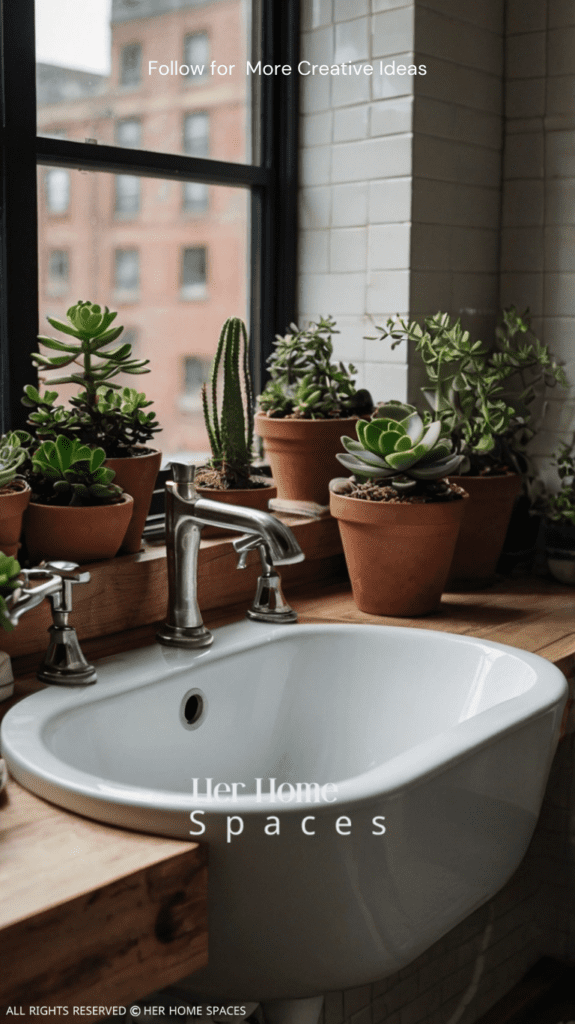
[197,55]
[126,272]
[248,173]
[129,132]
[57,183]
[194,273]
[127,197]
[131,64]
[195,372]
[58,272]
[197,134]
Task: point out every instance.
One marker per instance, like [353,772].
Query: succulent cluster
[66,472]
[9,573]
[231,430]
[397,446]
[13,453]
[304,382]
[484,397]
[103,412]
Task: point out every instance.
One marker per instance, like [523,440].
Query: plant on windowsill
[558,511]
[76,512]
[14,491]
[306,405]
[103,413]
[485,398]
[230,476]
[398,515]
[9,573]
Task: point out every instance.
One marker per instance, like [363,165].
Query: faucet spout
[186,514]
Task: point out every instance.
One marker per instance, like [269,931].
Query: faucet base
[184,636]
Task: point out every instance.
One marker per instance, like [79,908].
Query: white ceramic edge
[26,755]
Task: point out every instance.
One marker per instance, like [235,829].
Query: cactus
[69,473]
[397,445]
[9,573]
[230,431]
[12,454]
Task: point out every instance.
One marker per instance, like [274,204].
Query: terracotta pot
[302,454]
[13,504]
[483,529]
[253,497]
[398,556]
[560,550]
[136,476]
[76,534]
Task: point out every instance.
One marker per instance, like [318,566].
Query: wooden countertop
[94,915]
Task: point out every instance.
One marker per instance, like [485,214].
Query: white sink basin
[444,741]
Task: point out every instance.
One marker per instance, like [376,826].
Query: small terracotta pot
[398,556]
[76,534]
[13,504]
[252,497]
[302,454]
[137,476]
[482,534]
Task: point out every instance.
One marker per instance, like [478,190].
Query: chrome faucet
[64,662]
[186,513]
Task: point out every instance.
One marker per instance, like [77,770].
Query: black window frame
[272,183]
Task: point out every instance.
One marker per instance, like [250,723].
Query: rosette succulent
[12,454]
[67,472]
[399,447]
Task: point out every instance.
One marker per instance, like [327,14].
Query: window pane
[195,197]
[173,278]
[127,201]
[57,190]
[168,60]
[197,134]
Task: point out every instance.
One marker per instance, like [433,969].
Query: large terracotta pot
[76,534]
[483,529]
[252,497]
[137,476]
[13,504]
[302,454]
[398,556]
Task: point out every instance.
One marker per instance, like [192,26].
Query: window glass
[57,181]
[197,134]
[58,271]
[129,132]
[195,197]
[173,279]
[141,63]
[127,197]
[131,64]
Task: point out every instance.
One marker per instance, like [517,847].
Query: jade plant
[103,412]
[13,455]
[304,381]
[484,397]
[399,448]
[66,472]
[230,429]
[9,581]
[560,506]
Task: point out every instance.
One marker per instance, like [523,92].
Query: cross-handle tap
[269,603]
[64,662]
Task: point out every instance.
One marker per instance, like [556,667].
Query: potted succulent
[76,512]
[230,476]
[103,413]
[9,573]
[307,404]
[558,510]
[14,491]
[485,399]
[398,514]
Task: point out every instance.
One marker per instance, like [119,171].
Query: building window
[196,134]
[126,273]
[197,55]
[127,195]
[195,372]
[131,64]
[57,190]
[195,197]
[129,132]
[130,336]
[58,272]
[193,280]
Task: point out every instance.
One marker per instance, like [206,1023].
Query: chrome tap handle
[243,545]
[64,662]
[61,600]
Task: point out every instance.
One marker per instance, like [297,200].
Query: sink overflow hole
[193,708]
